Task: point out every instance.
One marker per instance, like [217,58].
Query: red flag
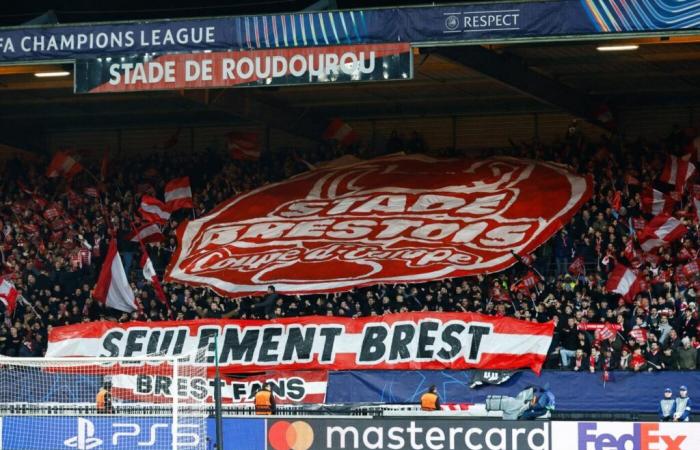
[112,288]
[40,202]
[244,145]
[638,223]
[148,233]
[64,165]
[656,202]
[617,201]
[607,332]
[178,194]
[660,231]
[696,205]
[92,192]
[153,210]
[624,281]
[691,269]
[74,198]
[639,334]
[677,172]
[341,132]
[31,228]
[8,296]
[51,213]
[527,283]
[577,266]
[151,276]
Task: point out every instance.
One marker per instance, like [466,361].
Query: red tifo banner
[406,341]
[399,218]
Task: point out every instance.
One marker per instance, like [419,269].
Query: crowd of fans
[54,261]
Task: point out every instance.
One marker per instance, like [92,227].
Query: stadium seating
[54,238]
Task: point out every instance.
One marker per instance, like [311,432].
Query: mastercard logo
[285,435]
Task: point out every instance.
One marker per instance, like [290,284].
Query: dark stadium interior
[483,81]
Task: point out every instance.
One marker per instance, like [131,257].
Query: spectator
[55,264]
[687,355]
[580,363]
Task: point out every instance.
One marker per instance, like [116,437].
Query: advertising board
[625,436]
[406,433]
[114,432]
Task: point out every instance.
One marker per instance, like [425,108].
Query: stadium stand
[55,237]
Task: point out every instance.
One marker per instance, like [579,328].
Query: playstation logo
[85,440]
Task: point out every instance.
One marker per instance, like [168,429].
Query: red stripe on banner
[505,325]
[476,340]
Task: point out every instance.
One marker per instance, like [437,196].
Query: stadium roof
[479,80]
[448,81]
[72,11]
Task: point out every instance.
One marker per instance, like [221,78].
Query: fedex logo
[644,436]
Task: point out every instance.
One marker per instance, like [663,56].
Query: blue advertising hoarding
[417,25]
[97,432]
[625,392]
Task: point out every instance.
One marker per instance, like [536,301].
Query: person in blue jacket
[542,402]
[682,412]
[667,406]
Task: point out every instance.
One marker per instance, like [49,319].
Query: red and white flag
[677,172]
[527,283]
[112,288]
[244,145]
[64,165]
[147,233]
[153,210]
[178,194]
[624,281]
[51,213]
[577,266]
[691,269]
[510,344]
[607,332]
[149,273]
[639,335]
[656,202]
[660,231]
[8,296]
[341,132]
[92,192]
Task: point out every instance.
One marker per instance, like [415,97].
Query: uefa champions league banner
[399,218]
[405,341]
[416,25]
[278,67]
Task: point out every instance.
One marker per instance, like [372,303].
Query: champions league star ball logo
[452,22]
[399,218]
